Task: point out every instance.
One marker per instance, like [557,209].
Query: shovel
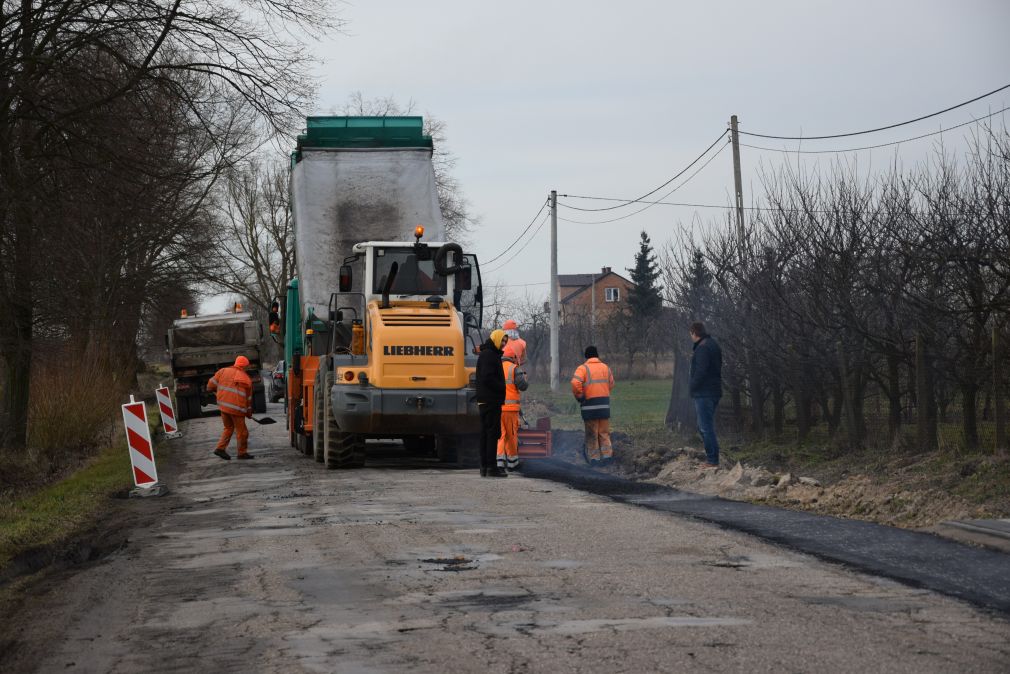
[265,421]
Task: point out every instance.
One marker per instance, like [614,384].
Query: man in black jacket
[706,388]
[490,398]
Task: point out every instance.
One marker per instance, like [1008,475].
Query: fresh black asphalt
[975,575]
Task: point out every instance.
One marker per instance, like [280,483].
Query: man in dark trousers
[706,388]
[490,398]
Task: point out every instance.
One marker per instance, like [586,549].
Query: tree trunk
[998,398]
[737,399]
[925,411]
[679,412]
[969,411]
[801,396]
[779,408]
[893,397]
[18,333]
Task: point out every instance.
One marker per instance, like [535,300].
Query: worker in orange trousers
[234,400]
[515,384]
[591,386]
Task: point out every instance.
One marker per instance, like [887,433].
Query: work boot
[221,454]
[246,456]
[497,472]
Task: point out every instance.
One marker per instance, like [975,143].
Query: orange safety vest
[591,385]
[513,396]
[234,390]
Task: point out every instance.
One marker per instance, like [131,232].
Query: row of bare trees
[854,295]
[119,121]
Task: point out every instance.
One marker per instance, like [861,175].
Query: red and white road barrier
[138,438]
[167,410]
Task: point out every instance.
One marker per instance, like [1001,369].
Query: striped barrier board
[138,438]
[167,411]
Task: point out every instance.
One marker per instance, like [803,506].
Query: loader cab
[421,273]
[417,272]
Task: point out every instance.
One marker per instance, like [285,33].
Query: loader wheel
[346,450]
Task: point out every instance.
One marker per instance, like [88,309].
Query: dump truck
[198,346]
[383,319]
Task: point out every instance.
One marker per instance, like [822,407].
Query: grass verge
[56,512]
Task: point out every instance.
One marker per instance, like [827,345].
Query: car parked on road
[277,385]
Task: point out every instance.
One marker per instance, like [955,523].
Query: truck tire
[303,440]
[319,435]
[259,401]
[181,408]
[189,407]
[296,426]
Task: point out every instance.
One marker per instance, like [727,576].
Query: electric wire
[649,205]
[693,205]
[879,128]
[531,237]
[651,192]
[502,254]
[874,147]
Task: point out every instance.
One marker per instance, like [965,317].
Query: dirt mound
[856,496]
[887,498]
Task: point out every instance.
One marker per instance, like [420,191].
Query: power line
[514,255]
[649,204]
[688,205]
[874,147]
[879,128]
[502,254]
[519,285]
[651,192]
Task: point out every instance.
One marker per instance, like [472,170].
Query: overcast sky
[613,98]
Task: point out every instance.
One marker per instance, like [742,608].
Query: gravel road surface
[278,565]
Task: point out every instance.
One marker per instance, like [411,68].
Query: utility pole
[593,319]
[753,376]
[555,309]
[738,183]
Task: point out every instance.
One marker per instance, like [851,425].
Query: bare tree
[77,79]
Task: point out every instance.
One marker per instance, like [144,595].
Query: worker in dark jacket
[490,398]
[706,388]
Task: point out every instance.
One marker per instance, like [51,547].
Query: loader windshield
[413,276]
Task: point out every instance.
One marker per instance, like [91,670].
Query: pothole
[457,563]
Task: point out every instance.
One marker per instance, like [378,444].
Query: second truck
[384,316]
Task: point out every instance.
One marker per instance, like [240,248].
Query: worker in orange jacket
[591,386]
[234,400]
[515,384]
[518,343]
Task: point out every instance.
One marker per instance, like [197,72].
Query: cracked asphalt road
[277,565]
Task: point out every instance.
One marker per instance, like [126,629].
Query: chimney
[606,270]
